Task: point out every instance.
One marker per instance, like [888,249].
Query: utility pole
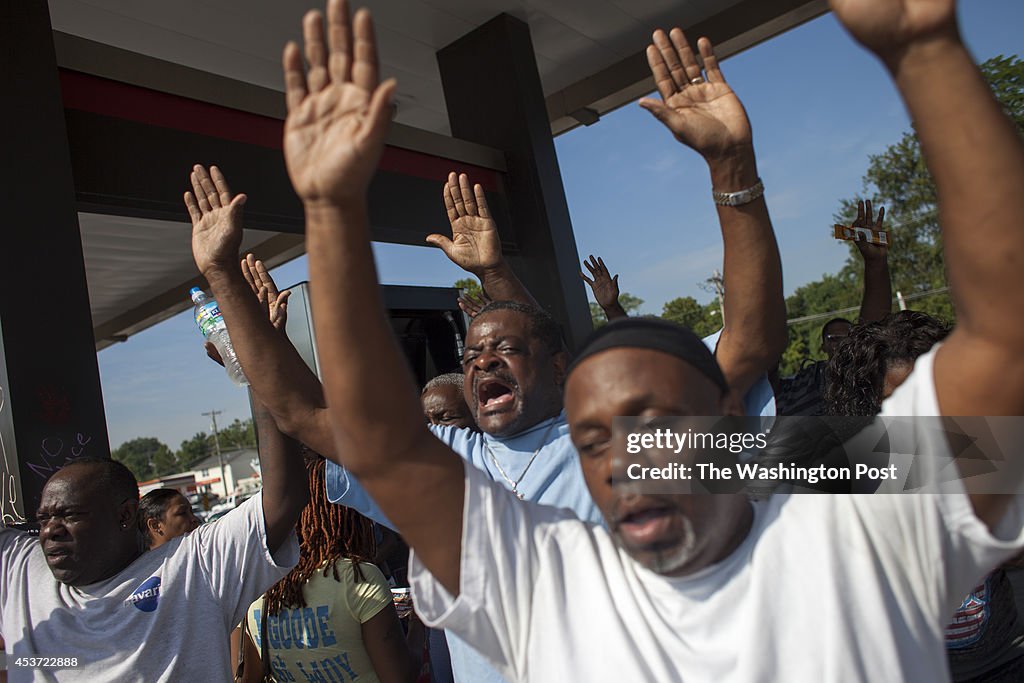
[719,284]
[716,285]
[216,445]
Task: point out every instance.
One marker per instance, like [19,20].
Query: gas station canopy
[111,103]
[589,55]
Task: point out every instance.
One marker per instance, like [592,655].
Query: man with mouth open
[515,360]
[801,588]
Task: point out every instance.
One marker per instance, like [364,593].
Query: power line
[851,309]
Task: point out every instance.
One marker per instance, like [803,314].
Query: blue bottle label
[208,318]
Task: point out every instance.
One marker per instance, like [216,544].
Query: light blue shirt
[760,399]
[555,478]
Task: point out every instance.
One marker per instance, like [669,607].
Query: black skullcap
[657,335]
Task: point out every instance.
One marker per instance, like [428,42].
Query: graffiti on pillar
[8,484]
[53,455]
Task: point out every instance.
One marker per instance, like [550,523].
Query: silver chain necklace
[515,484]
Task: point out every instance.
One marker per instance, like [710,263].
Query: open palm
[604,286]
[702,113]
[337,113]
[870,251]
[475,244]
[709,118]
[216,219]
[273,302]
[328,152]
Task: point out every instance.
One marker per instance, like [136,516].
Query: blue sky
[819,106]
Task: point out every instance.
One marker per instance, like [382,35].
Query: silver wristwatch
[739,198]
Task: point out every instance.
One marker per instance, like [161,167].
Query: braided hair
[856,372]
[327,533]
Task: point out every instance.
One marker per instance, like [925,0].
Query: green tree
[630,304]
[796,352]
[832,294]
[195,449]
[238,434]
[165,462]
[469,286]
[898,179]
[685,311]
[147,457]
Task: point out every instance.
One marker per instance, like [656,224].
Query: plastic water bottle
[211,324]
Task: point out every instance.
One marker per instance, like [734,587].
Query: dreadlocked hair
[856,372]
[327,533]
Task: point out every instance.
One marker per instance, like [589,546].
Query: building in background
[241,473]
[241,476]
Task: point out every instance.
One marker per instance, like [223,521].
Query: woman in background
[332,617]
[165,514]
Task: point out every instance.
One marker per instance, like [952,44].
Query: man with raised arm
[517,402]
[475,245]
[514,391]
[681,587]
[515,360]
[759,398]
[87,590]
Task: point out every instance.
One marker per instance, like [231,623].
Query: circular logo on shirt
[147,595]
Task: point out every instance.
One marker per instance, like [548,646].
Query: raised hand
[868,250]
[213,353]
[887,27]
[876,302]
[216,219]
[474,245]
[472,305]
[604,286]
[275,303]
[338,114]
[701,111]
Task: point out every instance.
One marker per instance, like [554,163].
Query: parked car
[229,504]
[214,516]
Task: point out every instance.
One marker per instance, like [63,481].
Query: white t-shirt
[165,617]
[824,588]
